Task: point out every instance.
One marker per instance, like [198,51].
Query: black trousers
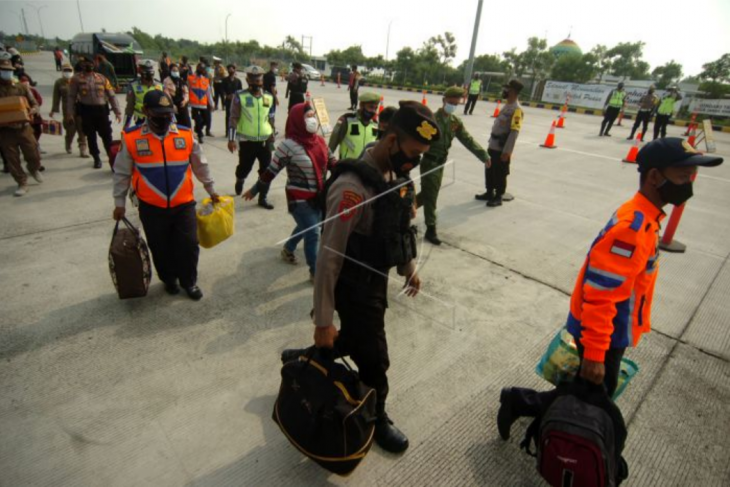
[248,153]
[496,175]
[95,120]
[528,402]
[295,99]
[642,117]
[200,115]
[218,94]
[172,236]
[353,98]
[608,119]
[660,125]
[471,102]
[183,117]
[361,300]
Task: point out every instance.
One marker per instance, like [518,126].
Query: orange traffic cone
[561,122]
[631,156]
[692,136]
[550,139]
[423,101]
[381,107]
[620,118]
[691,123]
[496,110]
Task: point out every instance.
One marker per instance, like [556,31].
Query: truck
[120,49]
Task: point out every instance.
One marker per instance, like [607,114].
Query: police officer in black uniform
[296,87]
[363,238]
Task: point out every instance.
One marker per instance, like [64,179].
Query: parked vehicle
[120,49]
[308,71]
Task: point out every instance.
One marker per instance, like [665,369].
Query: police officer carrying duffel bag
[325,411]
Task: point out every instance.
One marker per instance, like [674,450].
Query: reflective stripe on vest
[254,122]
[617,99]
[198,91]
[162,175]
[140,91]
[475,87]
[357,137]
[667,106]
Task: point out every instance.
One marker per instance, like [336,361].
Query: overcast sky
[690,32]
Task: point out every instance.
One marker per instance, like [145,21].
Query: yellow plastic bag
[215,221]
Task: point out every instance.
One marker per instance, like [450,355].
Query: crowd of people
[352,199]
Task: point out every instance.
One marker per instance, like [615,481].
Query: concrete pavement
[163,391]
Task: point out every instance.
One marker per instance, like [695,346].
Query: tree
[537,58]
[513,63]
[575,68]
[667,75]
[486,63]
[625,59]
[445,46]
[717,71]
[603,63]
[347,57]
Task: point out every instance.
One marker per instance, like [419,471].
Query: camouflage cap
[369,97]
[454,91]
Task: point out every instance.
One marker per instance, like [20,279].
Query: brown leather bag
[129,262]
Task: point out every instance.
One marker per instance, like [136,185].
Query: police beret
[672,152]
[454,91]
[416,121]
[369,97]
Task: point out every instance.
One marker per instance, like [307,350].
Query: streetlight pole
[387,42]
[470,65]
[78,6]
[40,20]
[227,16]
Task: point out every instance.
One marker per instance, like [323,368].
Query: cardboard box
[14,109]
[52,127]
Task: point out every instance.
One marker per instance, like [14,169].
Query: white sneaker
[21,191]
[37,176]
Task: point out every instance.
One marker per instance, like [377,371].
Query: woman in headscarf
[306,157]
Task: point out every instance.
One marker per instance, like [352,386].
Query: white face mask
[312,124]
[67,74]
[174,74]
[449,108]
[6,75]
[275,70]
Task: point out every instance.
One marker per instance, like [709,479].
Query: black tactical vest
[393,239]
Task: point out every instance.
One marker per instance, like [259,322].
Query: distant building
[568,46]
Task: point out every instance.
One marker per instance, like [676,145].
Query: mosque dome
[568,46]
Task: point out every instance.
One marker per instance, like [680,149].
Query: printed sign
[322,115]
[592,96]
[718,108]
[709,135]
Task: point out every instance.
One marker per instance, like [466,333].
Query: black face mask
[505,94]
[367,115]
[402,164]
[254,88]
[88,68]
[147,76]
[159,125]
[675,194]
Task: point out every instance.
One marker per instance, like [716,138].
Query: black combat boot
[486,196]
[431,235]
[505,416]
[388,437]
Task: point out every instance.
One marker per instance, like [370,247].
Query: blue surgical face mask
[175,74]
[449,108]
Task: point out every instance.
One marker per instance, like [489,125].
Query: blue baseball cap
[673,152]
[158,102]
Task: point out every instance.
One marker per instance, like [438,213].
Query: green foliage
[346,57]
[490,63]
[625,60]
[575,68]
[667,75]
[718,71]
[715,89]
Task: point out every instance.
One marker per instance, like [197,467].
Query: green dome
[565,47]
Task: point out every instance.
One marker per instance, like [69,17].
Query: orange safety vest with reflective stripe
[611,303]
[162,175]
[198,87]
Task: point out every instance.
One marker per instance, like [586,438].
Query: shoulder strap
[531,437]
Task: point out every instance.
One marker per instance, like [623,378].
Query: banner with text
[591,96]
[718,108]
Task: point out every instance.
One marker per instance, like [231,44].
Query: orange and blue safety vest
[162,175]
[611,303]
[198,89]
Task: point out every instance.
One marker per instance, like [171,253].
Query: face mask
[88,68]
[402,164]
[367,115]
[254,88]
[675,194]
[159,125]
[231,73]
[6,75]
[275,70]
[505,94]
[311,124]
[67,74]
[147,76]
[449,108]
[174,74]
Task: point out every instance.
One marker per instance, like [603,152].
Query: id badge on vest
[180,143]
[143,147]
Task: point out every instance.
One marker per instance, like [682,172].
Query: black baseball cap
[673,152]
[158,102]
[417,121]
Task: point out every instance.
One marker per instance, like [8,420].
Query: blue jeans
[306,217]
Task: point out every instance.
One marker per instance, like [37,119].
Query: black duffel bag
[129,262]
[325,411]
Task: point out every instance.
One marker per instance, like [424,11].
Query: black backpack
[325,411]
[579,439]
